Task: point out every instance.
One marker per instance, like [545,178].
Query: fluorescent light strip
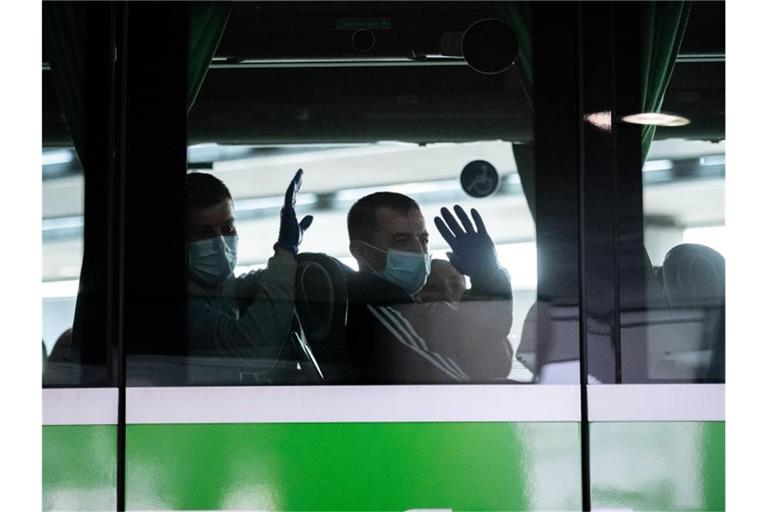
[712,160]
[657,165]
[352,194]
[60,289]
[60,156]
[62,223]
[263,203]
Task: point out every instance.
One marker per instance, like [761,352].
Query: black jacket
[394,340]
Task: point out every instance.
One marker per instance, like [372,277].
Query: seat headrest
[694,275]
[320,293]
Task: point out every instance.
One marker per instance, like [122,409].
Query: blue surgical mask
[407,270]
[212,261]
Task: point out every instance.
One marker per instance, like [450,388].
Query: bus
[588,136]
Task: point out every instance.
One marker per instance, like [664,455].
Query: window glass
[374,290]
[652,210]
[77,177]
[683,196]
[334,178]
[679,334]
[62,240]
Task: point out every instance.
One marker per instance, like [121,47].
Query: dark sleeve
[402,355]
[473,332]
[384,345]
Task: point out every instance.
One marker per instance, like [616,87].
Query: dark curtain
[664,27]
[78,39]
[207,21]
[65,32]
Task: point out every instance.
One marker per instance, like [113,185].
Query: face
[395,230]
[445,284]
[211,222]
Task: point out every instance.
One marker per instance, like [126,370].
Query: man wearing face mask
[394,338]
[246,317]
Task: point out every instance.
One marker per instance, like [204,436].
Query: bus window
[62,255]
[335,177]
[683,198]
[676,334]
[654,280]
[272,301]
[77,204]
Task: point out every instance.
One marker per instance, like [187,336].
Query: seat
[549,342]
[694,279]
[321,305]
[694,275]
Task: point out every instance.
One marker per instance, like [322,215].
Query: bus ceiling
[291,72]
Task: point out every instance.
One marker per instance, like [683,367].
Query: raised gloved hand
[292,231]
[473,251]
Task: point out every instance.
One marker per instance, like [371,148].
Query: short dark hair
[205,190]
[361,219]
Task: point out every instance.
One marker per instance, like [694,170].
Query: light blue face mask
[212,261]
[407,270]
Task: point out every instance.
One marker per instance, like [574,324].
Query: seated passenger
[392,338]
[444,284]
[60,367]
[62,349]
[247,317]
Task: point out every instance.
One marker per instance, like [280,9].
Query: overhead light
[657,165]
[269,202]
[601,120]
[712,160]
[60,289]
[657,119]
[59,156]
[426,187]
[74,222]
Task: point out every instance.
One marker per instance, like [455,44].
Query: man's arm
[474,332]
[261,330]
[263,326]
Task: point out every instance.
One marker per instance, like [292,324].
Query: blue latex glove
[473,251]
[292,231]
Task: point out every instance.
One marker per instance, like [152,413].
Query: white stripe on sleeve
[448,361]
[406,339]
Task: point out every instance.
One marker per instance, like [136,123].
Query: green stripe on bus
[354,466]
[658,465]
[80,467]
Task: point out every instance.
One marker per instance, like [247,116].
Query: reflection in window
[62,256]
[680,337]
